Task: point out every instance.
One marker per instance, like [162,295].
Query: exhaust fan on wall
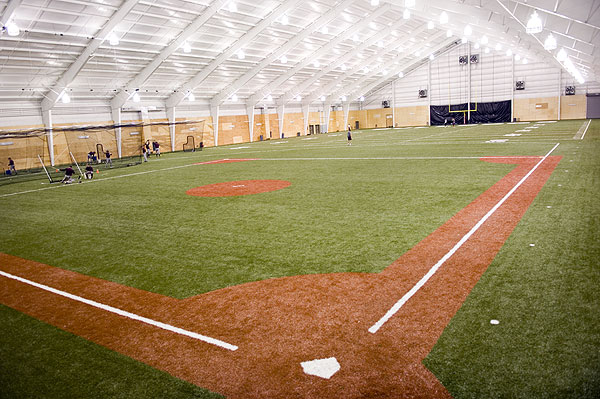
[423,93]
[570,91]
[385,104]
[520,85]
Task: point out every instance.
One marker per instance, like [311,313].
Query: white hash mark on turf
[324,368]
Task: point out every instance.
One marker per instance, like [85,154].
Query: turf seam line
[398,305]
[124,313]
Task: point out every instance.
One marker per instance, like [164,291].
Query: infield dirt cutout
[280,323]
[240,187]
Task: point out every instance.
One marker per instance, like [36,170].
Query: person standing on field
[349,135]
[11,166]
[108,160]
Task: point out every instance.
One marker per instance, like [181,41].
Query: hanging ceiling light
[484,40]
[284,59]
[444,18]
[64,97]
[430,25]
[343,98]
[431,57]
[361,98]
[232,7]
[517,57]
[550,43]
[12,29]
[322,98]
[487,50]
[509,53]
[186,47]
[269,98]
[464,40]
[561,55]
[285,20]
[401,74]
[343,67]
[136,97]
[374,3]
[449,33]
[316,64]
[498,47]
[298,98]
[113,39]
[525,61]
[325,30]
[476,46]
[241,55]
[534,25]
[234,97]
[409,3]
[191,97]
[468,30]
[406,14]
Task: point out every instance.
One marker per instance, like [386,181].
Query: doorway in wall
[389,121]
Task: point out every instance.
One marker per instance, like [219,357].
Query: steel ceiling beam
[121,98]
[177,97]
[51,97]
[289,45]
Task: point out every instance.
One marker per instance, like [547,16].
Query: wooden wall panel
[360,116]
[536,109]
[417,115]
[233,129]
[293,123]
[573,107]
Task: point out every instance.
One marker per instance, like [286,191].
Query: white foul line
[375,327]
[124,313]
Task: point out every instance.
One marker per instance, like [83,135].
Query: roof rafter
[289,45]
[63,82]
[177,97]
[119,100]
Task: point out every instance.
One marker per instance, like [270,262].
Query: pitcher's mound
[241,187]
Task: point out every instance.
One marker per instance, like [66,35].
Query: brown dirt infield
[281,322]
[240,187]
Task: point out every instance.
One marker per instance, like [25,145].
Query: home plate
[323,368]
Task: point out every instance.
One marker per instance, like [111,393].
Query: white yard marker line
[586,129]
[394,309]
[120,312]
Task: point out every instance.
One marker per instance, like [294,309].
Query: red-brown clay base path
[279,323]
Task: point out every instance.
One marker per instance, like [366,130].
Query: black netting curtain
[494,112]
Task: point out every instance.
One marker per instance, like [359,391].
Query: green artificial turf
[349,209]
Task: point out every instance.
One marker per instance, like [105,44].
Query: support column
[214,113]
[305,113]
[250,112]
[468,83]
[267,123]
[559,93]
[429,93]
[393,103]
[280,117]
[327,109]
[171,118]
[512,89]
[47,118]
[346,110]
[116,117]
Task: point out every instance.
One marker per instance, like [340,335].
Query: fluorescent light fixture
[12,29]
[468,30]
[191,97]
[113,39]
[241,55]
[186,47]
[401,74]
[430,25]
[561,55]
[449,33]
[136,97]
[431,57]
[444,18]
[550,43]
[484,40]
[285,20]
[322,98]
[284,59]
[65,98]
[343,98]
[234,97]
[534,25]
[269,98]
[361,98]
[406,14]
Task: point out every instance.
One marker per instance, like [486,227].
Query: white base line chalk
[124,313]
[586,129]
[394,309]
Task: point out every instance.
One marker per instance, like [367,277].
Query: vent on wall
[463,59]
[423,93]
[385,104]
[570,91]
[474,58]
[520,85]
